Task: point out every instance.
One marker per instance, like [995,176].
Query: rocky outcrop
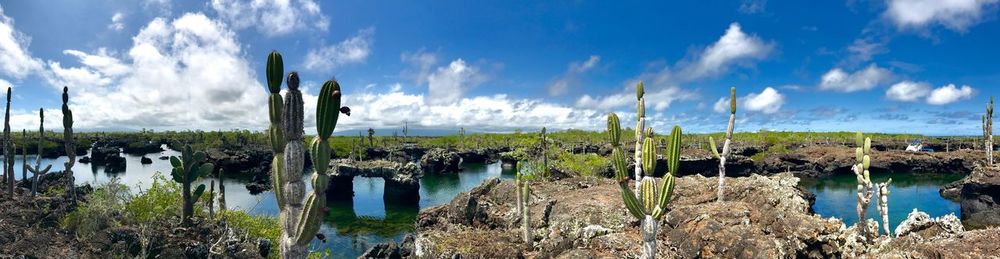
[825,161]
[585,217]
[441,161]
[921,226]
[109,157]
[145,160]
[142,147]
[481,155]
[980,197]
[402,181]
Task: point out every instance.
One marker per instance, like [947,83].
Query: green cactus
[726,148]
[8,151]
[69,143]
[862,158]
[988,131]
[36,171]
[186,170]
[301,220]
[275,135]
[523,198]
[650,204]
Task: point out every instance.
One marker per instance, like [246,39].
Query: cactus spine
[883,205]
[69,144]
[36,171]
[651,203]
[8,151]
[988,131]
[187,169]
[725,146]
[301,220]
[523,198]
[865,190]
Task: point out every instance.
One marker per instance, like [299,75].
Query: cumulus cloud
[272,17]
[116,22]
[957,15]
[768,101]
[839,80]
[184,73]
[497,112]
[657,99]
[949,94]
[733,47]
[572,75]
[449,83]
[908,91]
[17,62]
[353,50]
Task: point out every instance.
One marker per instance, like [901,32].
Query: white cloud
[449,83]
[186,73]
[908,91]
[657,99]
[572,74]
[15,60]
[116,22]
[768,101]
[734,46]
[839,80]
[272,17]
[421,65]
[353,50]
[957,15]
[752,6]
[862,50]
[949,94]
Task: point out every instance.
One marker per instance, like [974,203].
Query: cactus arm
[711,146]
[674,150]
[631,203]
[197,193]
[310,220]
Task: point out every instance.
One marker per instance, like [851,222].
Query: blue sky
[914,66]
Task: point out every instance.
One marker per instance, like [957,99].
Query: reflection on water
[351,227]
[836,196]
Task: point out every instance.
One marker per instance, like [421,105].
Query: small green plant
[187,169]
[161,201]
[651,203]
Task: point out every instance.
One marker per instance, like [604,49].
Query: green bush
[103,210]
[160,202]
[259,226]
[583,164]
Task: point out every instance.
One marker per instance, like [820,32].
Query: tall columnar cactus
[187,169]
[640,127]
[651,203]
[988,131]
[545,153]
[275,71]
[883,204]
[865,189]
[24,155]
[69,143]
[523,198]
[36,171]
[725,146]
[301,220]
[8,151]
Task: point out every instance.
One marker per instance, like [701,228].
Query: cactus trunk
[726,145]
[526,215]
[69,144]
[865,189]
[883,205]
[649,228]
[8,152]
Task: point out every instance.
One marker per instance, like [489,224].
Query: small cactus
[650,204]
[36,171]
[988,131]
[865,190]
[883,205]
[726,145]
[523,211]
[186,170]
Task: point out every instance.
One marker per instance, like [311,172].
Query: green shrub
[103,210]
[583,164]
[259,226]
[160,202]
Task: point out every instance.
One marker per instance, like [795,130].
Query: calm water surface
[351,227]
[836,196]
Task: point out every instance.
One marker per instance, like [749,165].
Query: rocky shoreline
[585,218]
